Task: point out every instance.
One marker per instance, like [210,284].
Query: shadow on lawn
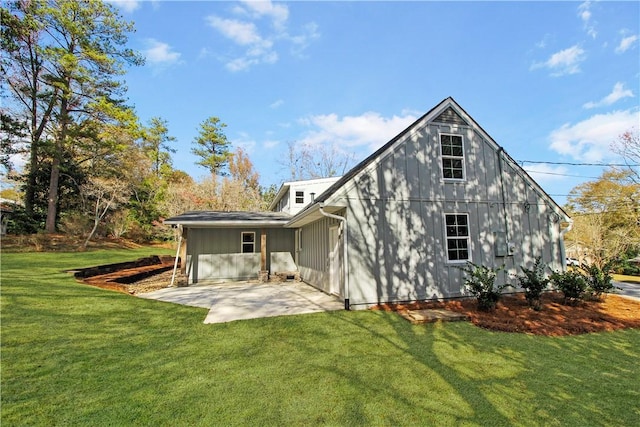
[505,378]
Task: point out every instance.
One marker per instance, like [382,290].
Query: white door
[335,266]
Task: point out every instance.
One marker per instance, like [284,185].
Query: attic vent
[450,116]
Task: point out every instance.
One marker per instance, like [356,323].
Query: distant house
[7,207]
[396,227]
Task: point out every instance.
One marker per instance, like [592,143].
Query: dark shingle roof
[228,219]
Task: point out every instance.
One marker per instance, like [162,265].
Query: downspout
[504,198]
[563,252]
[345,269]
[175,262]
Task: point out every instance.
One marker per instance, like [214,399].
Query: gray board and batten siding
[313,254]
[215,254]
[396,203]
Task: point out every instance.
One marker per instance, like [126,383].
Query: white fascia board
[281,192]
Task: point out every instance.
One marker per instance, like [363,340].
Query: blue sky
[549,81]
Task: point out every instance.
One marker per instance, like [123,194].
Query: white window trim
[442,157]
[295,197]
[446,239]
[242,242]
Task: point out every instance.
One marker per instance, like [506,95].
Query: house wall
[395,212]
[316,186]
[313,253]
[214,254]
[284,203]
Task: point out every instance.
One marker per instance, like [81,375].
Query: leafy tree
[212,146]
[606,215]
[12,137]
[30,86]
[240,191]
[68,58]
[155,143]
[102,196]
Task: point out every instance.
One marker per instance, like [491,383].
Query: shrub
[480,282]
[599,281]
[534,283]
[571,283]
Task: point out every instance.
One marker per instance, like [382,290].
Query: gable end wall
[396,219]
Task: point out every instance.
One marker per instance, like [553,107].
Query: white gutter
[175,262]
[344,249]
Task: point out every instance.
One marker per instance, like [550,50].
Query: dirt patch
[65,243]
[133,277]
[149,284]
[555,319]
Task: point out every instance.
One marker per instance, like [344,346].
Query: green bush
[572,284]
[480,282]
[534,283]
[599,281]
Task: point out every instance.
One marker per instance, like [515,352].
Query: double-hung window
[299,196]
[457,230]
[248,241]
[452,152]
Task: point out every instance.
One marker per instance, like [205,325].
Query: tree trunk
[52,199]
[96,221]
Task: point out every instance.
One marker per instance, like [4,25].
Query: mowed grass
[77,355]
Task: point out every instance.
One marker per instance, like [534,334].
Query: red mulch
[554,319]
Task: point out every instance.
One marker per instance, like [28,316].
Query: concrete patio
[249,300]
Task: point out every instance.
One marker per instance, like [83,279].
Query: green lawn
[77,355]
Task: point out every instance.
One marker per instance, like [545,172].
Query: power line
[578,164]
[561,174]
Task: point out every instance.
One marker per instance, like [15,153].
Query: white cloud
[260,43]
[242,33]
[584,12]
[278,12]
[626,43]
[245,142]
[369,129]
[618,93]
[543,173]
[159,53]
[566,61]
[589,140]
[127,5]
[276,103]
[270,144]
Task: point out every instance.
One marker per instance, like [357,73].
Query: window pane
[247,248]
[248,237]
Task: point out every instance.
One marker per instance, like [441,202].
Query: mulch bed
[554,319]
